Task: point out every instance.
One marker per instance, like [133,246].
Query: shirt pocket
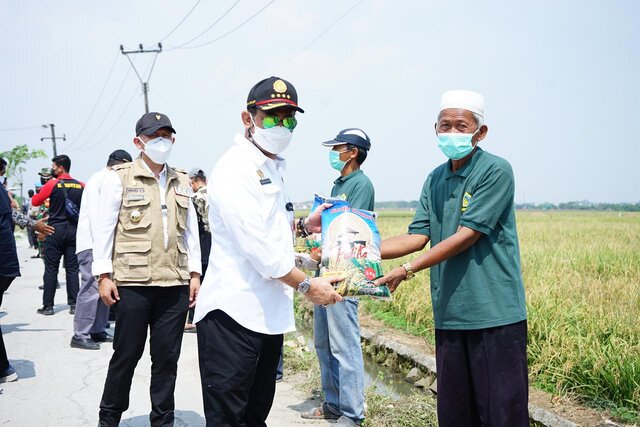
[136,214]
[131,261]
[183,259]
[182,207]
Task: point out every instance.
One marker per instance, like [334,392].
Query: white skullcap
[464,99]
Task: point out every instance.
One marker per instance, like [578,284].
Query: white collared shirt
[251,242]
[109,207]
[89,211]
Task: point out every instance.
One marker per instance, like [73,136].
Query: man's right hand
[108,291]
[322,291]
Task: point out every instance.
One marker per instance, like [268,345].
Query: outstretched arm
[399,246]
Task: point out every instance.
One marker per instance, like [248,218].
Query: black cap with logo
[272,93]
[149,123]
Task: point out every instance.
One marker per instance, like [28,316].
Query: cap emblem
[158,116]
[279,86]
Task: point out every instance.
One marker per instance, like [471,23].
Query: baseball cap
[45,172]
[271,93]
[149,123]
[195,172]
[121,156]
[353,136]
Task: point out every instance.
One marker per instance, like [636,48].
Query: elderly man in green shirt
[466,211]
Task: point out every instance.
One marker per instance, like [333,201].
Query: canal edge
[428,363]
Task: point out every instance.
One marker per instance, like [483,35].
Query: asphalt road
[61,386]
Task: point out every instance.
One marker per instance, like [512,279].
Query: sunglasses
[272,121]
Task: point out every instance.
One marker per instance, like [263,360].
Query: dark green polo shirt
[481,287]
[356,188]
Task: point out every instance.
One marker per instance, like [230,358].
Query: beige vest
[139,255]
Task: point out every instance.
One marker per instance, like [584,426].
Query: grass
[582,279]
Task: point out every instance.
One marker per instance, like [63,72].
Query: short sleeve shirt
[482,286]
[356,188]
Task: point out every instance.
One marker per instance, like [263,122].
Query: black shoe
[102,337]
[108,325]
[47,311]
[41,287]
[72,309]
[84,343]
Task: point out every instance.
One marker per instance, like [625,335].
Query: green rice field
[582,276]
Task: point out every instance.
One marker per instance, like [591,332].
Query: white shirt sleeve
[192,240]
[105,225]
[259,232]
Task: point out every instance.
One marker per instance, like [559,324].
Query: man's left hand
[43,228]
[392,279]
[194,288]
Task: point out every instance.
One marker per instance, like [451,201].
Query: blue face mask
[456,145]
[334,160]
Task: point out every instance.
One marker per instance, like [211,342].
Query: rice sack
[351,248]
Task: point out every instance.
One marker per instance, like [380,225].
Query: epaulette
[122,166]
[180,170]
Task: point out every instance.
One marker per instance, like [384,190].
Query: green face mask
[334,160]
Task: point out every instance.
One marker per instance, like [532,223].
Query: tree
[16,158]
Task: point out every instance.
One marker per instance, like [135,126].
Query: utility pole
[145,84]
[53,137]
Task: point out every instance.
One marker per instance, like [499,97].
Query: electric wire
[181,21]
[237,27]
[318,37]
[20,128]
[95,106]
[206,29]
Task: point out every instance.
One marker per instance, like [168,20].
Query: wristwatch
[304,286]
[408,270]
[99,276]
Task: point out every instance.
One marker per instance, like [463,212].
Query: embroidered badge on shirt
[465,201]
[263,180]
[135,196]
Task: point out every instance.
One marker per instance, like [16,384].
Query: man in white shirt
[246,301]
[147,255]
[90,319]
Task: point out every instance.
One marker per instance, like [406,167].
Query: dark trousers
[5,282]
[238,371]
[162,310]
[482,376]
[61,242]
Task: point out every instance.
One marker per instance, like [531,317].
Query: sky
[561,81]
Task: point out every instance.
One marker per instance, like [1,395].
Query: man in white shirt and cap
[90,318]
[246,301]
[466,210]
[146,253]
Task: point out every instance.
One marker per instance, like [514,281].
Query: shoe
[41,287]
[189,327]
[84,344]
[107,326]
[102,337]
[47,311]
[8,375]
[35,256]
[72,309]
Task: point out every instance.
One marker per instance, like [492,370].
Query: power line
[230,31]
[326,30]
[208,28]
[95,106]
[180,23]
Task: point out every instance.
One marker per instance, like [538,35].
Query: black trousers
[238,371]
[482,376]
[162,310]
[61,242]
[5,282]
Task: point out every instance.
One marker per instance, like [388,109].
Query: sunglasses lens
[290,123]
[270,121]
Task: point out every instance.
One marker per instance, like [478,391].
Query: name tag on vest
[181,191]
[134,194]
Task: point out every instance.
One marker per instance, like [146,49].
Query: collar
[142,169]
[63,176]
[466,169]
[257,156]
[351,175]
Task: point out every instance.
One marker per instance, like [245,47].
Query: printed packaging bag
[351,248]
[312,243]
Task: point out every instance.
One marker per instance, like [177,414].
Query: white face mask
[273,140]
[158,149]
